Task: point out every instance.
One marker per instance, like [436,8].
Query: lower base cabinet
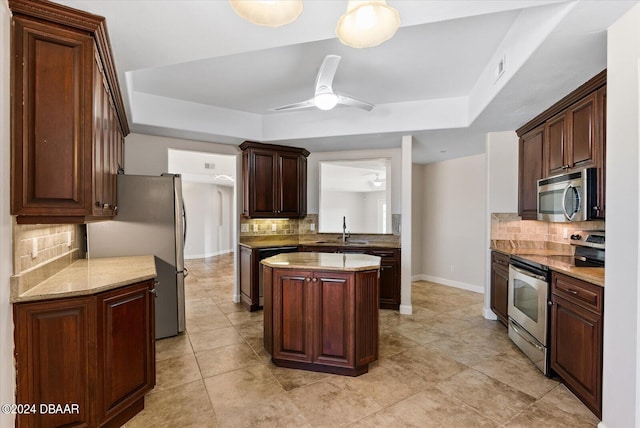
[390,263]
[500,286]
[576,337]
[91,357]
[321,321]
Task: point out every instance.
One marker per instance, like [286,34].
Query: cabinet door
[602,143]
[289,185]
[529,172]
[499,287]
[98,138]
[51,128]
[262,183]
[334,320]
[366,337]
[389,277]
[249,282]
[555,145]
[126,347]
[576,350]
[583,147]
[54,350]
[292,315]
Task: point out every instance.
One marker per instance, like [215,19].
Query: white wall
[313,174]
[7,372]
[417,204]
[359,208]
[621,389]
[147,154]
[209,219]
[454,222]
[501,150]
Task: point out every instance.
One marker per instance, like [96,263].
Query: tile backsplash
[509,227]
[303,226]
[48,241]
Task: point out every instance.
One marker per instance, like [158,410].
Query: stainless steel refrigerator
[151,219]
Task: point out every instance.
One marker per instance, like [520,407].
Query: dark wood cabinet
[531,169]
[68,121]
[250,278]
[322,320]
[274,181]
[500,285]
[571,138]
[96,351]
[126,351]
[390,278]
[576,337]
[568,136]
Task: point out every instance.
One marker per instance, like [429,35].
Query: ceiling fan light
[270,13]
[325,101]
[367,23]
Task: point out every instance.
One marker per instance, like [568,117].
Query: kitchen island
[321,311]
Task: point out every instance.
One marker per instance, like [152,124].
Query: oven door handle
[524,336]
[529,274]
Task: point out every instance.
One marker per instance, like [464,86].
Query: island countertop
[87,277]
[323,261]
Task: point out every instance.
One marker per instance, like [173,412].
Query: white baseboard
[204,256]
[601,425]
[451,283]
[236,298]
[406,309]
[488,314]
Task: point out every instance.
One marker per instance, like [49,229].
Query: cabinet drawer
[500,259]
[384,254]
[583,294]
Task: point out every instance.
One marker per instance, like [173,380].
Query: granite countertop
[594,275]
[323,261]
[357,243]
[87,277]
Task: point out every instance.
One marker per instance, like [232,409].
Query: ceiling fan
[324,97]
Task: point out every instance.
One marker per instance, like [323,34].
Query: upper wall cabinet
[274,181]
[568,136]
[571,138]
[68,119]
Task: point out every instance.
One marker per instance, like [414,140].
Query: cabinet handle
[154,292]
[315,279]
[308,279]
[574,292]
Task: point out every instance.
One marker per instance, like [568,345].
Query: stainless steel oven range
[527,309]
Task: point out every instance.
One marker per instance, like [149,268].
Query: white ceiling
[195,70]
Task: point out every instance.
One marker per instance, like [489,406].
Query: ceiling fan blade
[354,102]
[295,106]
[326,73]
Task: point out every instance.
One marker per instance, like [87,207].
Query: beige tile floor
[443,366]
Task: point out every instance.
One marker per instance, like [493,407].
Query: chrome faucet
[345,235]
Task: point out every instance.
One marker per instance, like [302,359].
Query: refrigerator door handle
[184,223]
[185,272]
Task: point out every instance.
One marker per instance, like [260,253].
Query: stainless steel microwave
[568,197]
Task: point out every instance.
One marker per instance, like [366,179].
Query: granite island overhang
[321,311]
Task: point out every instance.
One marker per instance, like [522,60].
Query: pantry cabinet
[274,181]
[68,119]
[95,351]
[576,337]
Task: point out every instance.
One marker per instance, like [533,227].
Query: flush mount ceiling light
[270,13]
[367,23]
